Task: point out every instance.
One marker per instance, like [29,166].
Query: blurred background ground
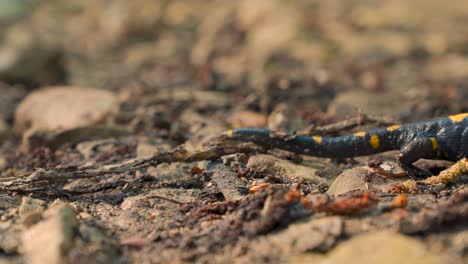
[135,77]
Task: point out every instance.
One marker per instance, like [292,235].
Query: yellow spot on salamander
[459,117]
[394,127]
[229,133]
[375,141]
[435,144]
[360,134]
[317,139]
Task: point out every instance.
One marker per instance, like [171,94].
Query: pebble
[65,107]
[350,180]
[275,166]
[227,181]
[359,179]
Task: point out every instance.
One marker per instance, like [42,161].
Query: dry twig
[42,179]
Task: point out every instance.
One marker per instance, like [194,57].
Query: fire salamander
[443,139]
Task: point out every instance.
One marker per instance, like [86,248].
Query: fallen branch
[42,179]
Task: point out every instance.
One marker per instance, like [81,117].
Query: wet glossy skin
[445,138]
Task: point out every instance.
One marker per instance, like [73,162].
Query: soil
[111,114]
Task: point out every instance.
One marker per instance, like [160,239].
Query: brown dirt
[181,72]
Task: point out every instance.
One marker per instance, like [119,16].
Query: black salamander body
[445,139]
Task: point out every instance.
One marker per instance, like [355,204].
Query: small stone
[49,240]
[227,181]
[63,107]
[360,179]
[350,180]
[30,211]
[363,179]
[384,247]
[388,169]
[275,166]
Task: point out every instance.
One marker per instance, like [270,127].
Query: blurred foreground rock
[50,240]
[384,247]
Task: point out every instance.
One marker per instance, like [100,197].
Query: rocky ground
[110,113]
